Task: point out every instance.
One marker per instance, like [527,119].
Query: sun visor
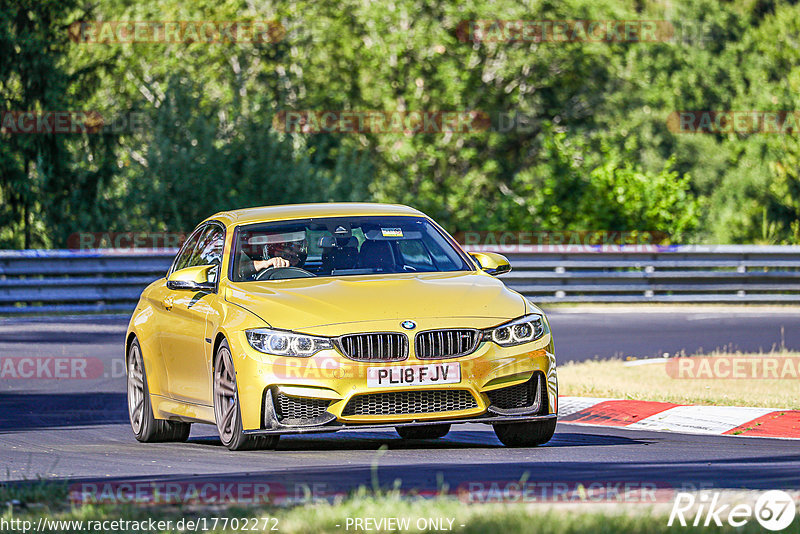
[272,239]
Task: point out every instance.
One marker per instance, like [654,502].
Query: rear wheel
[145,426]
[423,432]
[525,434]
[226,407]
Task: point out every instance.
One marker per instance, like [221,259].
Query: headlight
[283,343]
[519,331]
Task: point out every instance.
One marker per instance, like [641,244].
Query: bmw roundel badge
[408,325]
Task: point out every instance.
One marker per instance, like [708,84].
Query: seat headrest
[376,255]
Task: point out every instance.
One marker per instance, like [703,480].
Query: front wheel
[525,434]
[226,407]
[145,426]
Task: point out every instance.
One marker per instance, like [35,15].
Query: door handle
[168,302]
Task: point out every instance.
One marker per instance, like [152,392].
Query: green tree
[49,183]
[590,147]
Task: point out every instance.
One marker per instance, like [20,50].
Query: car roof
[306,211]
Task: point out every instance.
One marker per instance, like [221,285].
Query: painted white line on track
[570,405]
[700,419]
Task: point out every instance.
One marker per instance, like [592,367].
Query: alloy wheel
[135,388]
[225,398]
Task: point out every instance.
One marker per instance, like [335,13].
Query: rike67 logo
[774,510]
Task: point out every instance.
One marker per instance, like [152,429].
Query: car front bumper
[488,419]
[330,377]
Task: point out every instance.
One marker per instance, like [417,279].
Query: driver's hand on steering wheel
[272,262]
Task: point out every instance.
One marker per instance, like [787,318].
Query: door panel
[186,353]
[150,333]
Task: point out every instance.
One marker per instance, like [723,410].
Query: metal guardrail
[65,281]
[651,273]
[60,281]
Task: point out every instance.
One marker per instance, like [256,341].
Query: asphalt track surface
[78,429]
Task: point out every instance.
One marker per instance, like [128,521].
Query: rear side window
[204,247]
[209,248]
[182,261]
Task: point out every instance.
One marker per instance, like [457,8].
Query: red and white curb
[648,415]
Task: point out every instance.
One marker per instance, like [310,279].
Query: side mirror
[191,279]
[491,263]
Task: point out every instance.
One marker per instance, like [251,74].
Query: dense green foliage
[591,148]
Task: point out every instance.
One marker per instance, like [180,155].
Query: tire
[525,434]
[423,432]
[145,426]
[226,407]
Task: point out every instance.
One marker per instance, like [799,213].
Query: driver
[283,250]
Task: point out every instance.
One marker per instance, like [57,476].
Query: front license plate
[414,375]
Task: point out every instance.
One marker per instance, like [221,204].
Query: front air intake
[410,402]
[531,394]
[299,410]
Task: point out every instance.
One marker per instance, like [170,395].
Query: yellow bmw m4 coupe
[326,317]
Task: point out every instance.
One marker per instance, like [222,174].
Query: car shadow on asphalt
[21,412]
[456,439]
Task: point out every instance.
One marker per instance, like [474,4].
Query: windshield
[341,246]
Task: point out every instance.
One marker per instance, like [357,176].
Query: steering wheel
[281,273]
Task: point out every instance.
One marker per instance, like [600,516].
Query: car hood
[305,303]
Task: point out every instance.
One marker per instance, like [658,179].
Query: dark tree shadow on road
[30,411]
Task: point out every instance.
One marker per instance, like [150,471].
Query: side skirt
[172,410]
